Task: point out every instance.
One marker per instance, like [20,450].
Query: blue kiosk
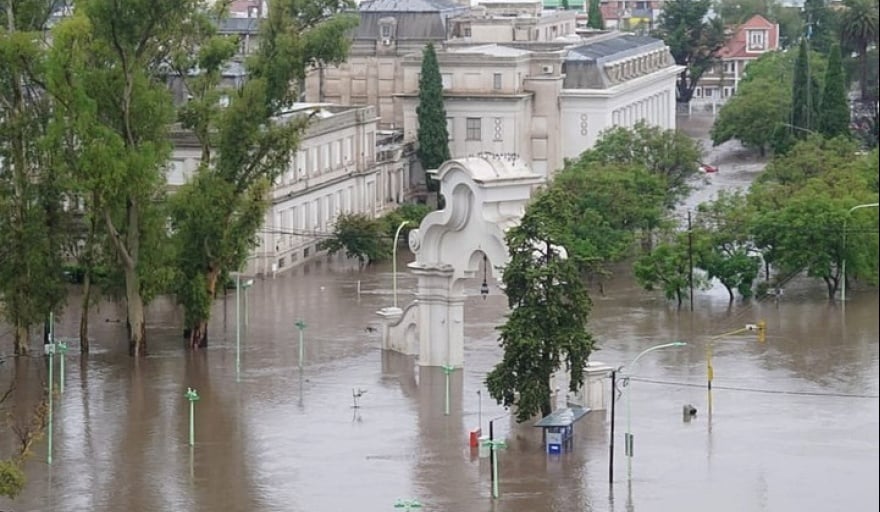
[559,427]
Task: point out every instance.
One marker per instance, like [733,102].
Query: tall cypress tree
[834,114]
[594,16]
[805,95]
[433,137]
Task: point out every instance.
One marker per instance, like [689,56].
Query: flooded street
[793,427]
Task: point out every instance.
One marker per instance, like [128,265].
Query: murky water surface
[793,425]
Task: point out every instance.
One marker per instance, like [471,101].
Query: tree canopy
[693,38]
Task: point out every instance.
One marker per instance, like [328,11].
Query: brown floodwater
[793,427]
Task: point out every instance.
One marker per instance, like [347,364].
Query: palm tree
[858,29]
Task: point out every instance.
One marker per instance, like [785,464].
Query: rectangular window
[450,123]
[496,81]
[467,32]
[756,40]
[325,157]
[447,80]
[474,129]
[301,165]
[386,31]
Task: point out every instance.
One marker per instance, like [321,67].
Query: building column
[441,317]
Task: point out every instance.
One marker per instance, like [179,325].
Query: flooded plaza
[793,426]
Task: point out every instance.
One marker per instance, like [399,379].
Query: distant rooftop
[407,5]
[617,47]
[491,49]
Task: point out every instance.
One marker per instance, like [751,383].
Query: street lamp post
[493,460]
[760,327]
[193,397]
[843,267]
[628,439]
[447,371]
[237,327]
[61,348]
[394,262]
[301,326]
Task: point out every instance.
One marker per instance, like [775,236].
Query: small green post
[237,327]
[493,446]
[447,370]
[193,396]
[50,351]
[301,326]
[407,504]
[61,347]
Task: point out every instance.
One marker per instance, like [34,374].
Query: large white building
[344,164]
[516,77]
[546,102]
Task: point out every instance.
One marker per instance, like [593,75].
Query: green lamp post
[193,396]
[301,326]
[447,371]
[494,445]
[407,504]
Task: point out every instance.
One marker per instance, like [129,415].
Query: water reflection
[287,440]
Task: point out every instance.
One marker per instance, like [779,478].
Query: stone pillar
[441,317]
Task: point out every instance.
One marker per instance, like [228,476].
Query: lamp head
[484,289]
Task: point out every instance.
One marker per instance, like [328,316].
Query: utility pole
[690,261]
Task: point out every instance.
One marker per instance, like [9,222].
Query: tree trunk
[137,329]
[729,293]
[84,315]
[21,340]
[546,408]
[198,331]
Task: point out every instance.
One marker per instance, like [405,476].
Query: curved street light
[843,267]
[628,439]
[394,261]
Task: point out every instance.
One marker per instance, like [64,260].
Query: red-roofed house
[749,41]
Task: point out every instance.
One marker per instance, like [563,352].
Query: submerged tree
[547,325]
[246,140]
[107,71]
[31,220]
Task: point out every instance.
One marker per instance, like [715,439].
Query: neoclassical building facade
[538,91]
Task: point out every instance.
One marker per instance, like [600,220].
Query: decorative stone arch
[485,196]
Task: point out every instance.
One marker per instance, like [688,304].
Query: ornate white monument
[485,196]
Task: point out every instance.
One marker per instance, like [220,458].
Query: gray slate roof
[613,48]
[407,5]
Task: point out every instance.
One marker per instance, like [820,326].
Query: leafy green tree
[667,267]
[759,114]
[433,136]
[32,224]
[547,324]
[109,81]
[834,111]
[762,99]
[805,95]
[564,5]
[668,154]
[594,16]
[693,39]
[724,248]
[412,213]
[607,207]
[360,237]
[859,30]
[801,202]
[243,148]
